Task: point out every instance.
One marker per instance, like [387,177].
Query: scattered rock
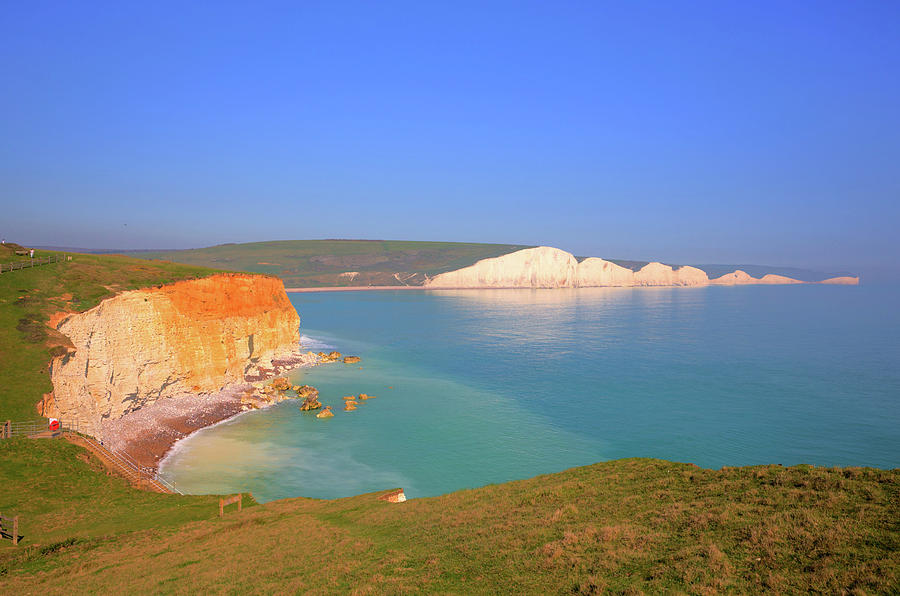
[306,391]
[351,359]
[350,406]
[311,401]
[331,357]
[310,404]
[365,396]
[280,384]
[326,413]
[346,397]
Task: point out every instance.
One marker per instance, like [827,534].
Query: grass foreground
[627,526]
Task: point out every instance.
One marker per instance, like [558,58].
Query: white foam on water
[183,444]
[311,343]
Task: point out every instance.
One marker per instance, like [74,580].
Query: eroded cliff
[191,337]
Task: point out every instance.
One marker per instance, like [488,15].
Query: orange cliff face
[189,337]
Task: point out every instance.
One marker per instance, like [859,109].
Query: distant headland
[548,267]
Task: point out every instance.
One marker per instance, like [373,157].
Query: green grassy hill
[627,526]
[29,296]
[319,263]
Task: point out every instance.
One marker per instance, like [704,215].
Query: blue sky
[730,132]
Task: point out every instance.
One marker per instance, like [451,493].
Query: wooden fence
[238,498]
[9,528]
[6,267]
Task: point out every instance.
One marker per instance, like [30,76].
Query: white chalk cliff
[548,267]
[541,267]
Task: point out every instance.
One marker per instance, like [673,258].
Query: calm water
[478,387]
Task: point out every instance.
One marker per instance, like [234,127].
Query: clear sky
[704,132]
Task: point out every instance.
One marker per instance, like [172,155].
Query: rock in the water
[350,406]
[365,396]
[311,402]
[351,359]
[280,384]
[346,397]
[326,413]
[306,391]
[330,357]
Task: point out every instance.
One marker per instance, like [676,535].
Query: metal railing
[126,462]
[14,429]
[146,473]
[32,262]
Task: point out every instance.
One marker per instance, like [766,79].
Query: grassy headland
[320,263]
[29,296]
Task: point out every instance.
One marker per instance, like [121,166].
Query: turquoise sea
[484,386]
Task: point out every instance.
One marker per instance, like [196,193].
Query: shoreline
[150,433]
[826,282]
[174,448]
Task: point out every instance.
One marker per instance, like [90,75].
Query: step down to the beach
[113,462]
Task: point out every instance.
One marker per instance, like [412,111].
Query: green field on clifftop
[318,263]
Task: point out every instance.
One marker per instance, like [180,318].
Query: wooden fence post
[223,502]
[15,530]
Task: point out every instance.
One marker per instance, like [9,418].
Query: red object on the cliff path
[54,424]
